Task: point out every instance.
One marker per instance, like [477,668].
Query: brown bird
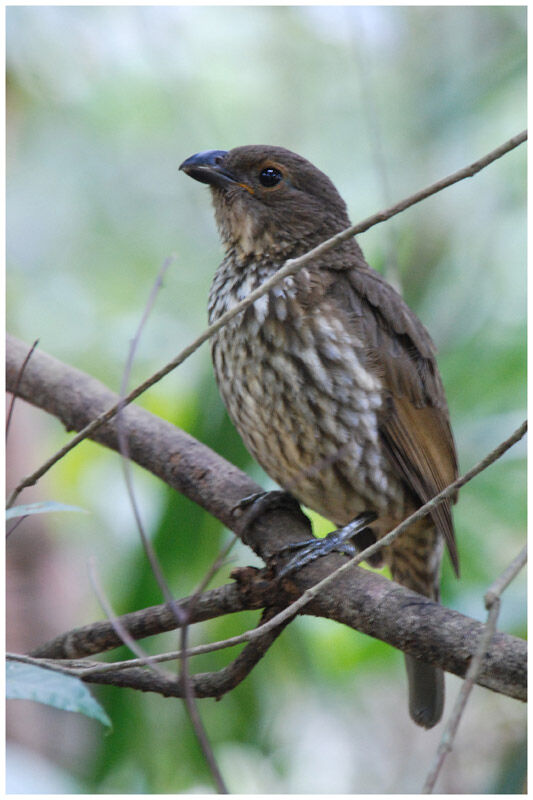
[330,378]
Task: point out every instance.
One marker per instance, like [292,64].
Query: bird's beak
[207,167]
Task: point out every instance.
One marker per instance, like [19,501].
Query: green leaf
[39,508]
[31,682]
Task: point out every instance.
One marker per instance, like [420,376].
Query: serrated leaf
[31,682]
[39,508]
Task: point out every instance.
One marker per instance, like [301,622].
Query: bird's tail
[415,563]
[426,692]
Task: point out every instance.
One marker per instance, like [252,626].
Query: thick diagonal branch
[364,601]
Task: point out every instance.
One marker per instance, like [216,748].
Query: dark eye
[270,176]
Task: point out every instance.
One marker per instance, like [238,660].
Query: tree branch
[358,598]
[374,605]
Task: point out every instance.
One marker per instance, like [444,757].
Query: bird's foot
[351,539]
[255,505]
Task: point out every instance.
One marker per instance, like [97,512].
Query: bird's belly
[307,410]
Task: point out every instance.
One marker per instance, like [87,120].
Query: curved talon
[338,540]
[246,502]
[297,545]
[316,549]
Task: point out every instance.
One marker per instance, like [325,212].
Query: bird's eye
[270,176]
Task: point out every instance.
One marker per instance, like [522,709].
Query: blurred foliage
[103,104]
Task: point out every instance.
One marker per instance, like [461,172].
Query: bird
[330,378]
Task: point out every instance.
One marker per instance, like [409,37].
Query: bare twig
[258,646]
[55,666]
[184,675]
[188,693]
[123,439]
[492,603]
[502,581]
[122,632]
[179,613]
[363,54]
[212,571]
[184,615]
[218,683]
[289,268]
[16,388]
[15,525]
[194,715]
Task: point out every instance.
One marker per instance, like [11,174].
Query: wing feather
[415,425]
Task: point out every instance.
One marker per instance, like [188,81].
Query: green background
[103,104]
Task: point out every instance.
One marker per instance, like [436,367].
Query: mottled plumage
[330,378]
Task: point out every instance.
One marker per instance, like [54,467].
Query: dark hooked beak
[207,167]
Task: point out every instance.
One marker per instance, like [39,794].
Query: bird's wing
[415,425]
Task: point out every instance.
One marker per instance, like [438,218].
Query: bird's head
[268,200]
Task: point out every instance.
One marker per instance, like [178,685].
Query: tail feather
[415,563]
[426,692]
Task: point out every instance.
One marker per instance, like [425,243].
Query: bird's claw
[256,504]
[338,541]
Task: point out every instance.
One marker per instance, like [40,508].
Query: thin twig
[180,614]
[185,678]
[145,660]
[492,603]
[198,650]
[124,452]
[123,439]
[502,581]
[211,572]
[194,714]
[46,663]
[17,384]
[143,657]
[362,54]
[289,268]
[15,525]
